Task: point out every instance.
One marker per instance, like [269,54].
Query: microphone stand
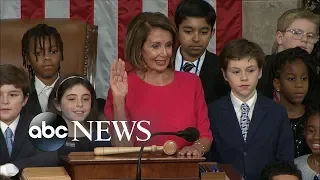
[138,177]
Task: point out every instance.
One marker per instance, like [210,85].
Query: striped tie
[244,120]
[9,141]
[188,66]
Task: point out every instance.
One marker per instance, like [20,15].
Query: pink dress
[172,108]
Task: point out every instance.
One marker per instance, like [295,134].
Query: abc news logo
[49,131]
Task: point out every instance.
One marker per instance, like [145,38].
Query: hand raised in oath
[118,80]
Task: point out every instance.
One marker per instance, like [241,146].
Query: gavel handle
[121,150]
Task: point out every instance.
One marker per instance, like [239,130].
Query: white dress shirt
[9,169]
[43,92]
[179,63]
[237,105]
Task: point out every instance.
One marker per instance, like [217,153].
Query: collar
[40,86]
[178,60]
[12,126]
[237,102]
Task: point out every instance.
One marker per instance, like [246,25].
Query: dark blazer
[265,84]
[213,83]
[24,154]
[32,107]
[269,138]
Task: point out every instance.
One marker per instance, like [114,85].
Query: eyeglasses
[298,34]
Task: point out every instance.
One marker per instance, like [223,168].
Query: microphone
[190,134]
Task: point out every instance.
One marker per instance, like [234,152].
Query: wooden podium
[87,166]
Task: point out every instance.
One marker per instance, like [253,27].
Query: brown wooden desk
[155,166]
[86,166]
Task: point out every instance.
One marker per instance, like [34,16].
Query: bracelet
[204,149]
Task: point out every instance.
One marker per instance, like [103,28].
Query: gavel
[169,148]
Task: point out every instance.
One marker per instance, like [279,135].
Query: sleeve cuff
[9,170]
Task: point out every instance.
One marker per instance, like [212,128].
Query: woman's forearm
[119,115]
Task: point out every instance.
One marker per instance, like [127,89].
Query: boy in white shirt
[16,151]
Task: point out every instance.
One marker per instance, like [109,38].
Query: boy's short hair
[241,48]
[280,168]
[288,17]
[12,75]
[195,8]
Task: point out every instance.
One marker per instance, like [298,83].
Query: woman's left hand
[192,150]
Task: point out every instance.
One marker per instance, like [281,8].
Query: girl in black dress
[292,79]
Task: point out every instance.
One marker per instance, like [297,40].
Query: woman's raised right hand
[118,80]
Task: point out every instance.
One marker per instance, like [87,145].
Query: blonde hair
[138,31]
[288,17]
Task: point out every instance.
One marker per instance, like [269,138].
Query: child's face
[242,76]
[285,177]
[312,133]
[287,40]
[11,102]
[75,103]
[194,35]
[294,82]
[48,62]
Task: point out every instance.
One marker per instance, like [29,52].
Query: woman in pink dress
[170,100]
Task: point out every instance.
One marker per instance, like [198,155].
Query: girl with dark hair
[292,77]
[74,99]
[309,164]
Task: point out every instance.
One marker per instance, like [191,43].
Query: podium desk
[87,166]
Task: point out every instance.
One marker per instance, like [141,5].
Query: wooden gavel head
[170,147]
